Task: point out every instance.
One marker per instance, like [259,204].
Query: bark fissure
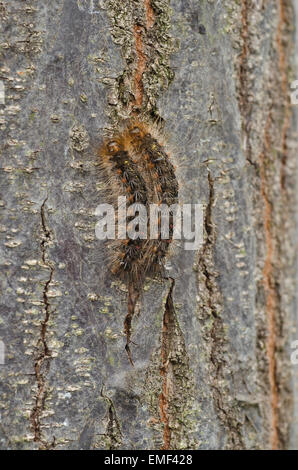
[169,384]
[141,66]
[243,91]
[142,58]
[43,358]
[210,308]
[168,327]
[113,432]
[142,31]
[133,296]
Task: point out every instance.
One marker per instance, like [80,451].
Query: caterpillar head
[113,147]
[114,151]
[109,149]
[137,130]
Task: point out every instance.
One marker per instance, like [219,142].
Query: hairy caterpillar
[136,164]
[123,178]
[148,151]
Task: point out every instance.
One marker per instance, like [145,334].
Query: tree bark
[212,360]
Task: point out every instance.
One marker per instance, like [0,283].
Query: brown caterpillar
[137,165]
[123,179]
[149,152]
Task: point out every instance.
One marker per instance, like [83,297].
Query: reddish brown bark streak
[284,87]
[139,96]
[270,293]
[149,14]
[141,66]
[271,299]
[141,56]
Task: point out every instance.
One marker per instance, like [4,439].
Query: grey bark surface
[212,360]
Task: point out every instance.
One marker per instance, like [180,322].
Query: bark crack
[210,306]
[169,385]
[142,59]
[133,296]
[43,357]
[168,327]
[141,28]
[244,101]
[113,429]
